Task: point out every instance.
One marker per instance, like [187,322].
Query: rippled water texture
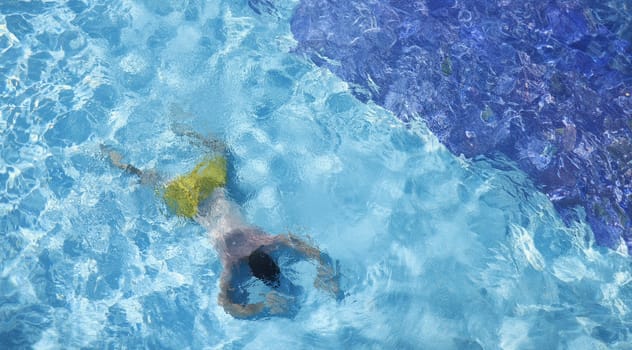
[546,83]
[437,251]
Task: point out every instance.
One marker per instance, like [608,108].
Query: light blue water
[436,251]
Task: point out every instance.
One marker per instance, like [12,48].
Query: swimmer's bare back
[236,241]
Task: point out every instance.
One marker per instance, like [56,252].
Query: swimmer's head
[264,268]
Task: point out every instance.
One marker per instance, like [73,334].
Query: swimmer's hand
[277,304]
[243,311]
[235,309]
[328,278]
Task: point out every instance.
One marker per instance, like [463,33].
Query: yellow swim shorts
[184,193]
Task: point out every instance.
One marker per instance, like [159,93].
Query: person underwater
[243,249]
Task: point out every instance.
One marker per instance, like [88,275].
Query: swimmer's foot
[211,143]
[117,160]
[146,177]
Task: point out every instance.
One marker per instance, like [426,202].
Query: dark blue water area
[546,83]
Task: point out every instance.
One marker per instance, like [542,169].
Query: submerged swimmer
[201,195]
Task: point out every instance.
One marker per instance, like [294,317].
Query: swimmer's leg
[209,142]
[182,129]
[146,177]
[117,160]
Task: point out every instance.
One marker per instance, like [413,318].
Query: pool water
[437,251]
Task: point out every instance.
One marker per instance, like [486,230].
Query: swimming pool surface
[439,247]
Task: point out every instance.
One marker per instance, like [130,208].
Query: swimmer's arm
[234,309]
[294,242]
[328,278]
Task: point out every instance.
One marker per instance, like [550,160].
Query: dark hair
[264,268]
